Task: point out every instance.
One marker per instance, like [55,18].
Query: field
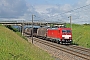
[81,34]
[13,47]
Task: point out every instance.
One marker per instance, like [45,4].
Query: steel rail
[80,48]
[67,50]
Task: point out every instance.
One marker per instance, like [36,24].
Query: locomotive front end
[66,35]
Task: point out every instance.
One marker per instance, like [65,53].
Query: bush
[11,28]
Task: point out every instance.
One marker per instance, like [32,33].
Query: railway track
[78,51]
[73,50]
[81,49]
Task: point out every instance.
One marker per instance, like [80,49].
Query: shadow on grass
[75,44]
[71,44]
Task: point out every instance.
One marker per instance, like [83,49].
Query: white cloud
[20,9]
[12,8]
[61,12]
[52,12]
[42,8]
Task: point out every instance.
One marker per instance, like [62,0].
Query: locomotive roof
[58,28]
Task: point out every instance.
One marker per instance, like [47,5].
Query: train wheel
[58,41]
[61,43]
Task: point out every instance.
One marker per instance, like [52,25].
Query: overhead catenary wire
[61,14]
[70,11]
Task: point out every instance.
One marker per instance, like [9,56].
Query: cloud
[30,11]
[19,9]
[12,8]
[53,12]
[82,14]
[62,12]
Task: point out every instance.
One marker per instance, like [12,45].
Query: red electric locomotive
[60,35]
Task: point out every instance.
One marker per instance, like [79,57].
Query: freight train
[60,35]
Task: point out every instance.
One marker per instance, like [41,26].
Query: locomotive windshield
[66,31]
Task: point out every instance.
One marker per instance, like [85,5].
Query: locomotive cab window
[66,31]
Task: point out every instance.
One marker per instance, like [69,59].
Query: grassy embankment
[13,47]
[81,34]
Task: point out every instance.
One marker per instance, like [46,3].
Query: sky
[52,1]
[46,10]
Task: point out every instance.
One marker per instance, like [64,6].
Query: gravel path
[48,49]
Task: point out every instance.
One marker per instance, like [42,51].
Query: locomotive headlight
[70,40]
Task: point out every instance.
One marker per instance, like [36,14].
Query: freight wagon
[29,31]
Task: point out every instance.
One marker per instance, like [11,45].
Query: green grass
[81,34]
[13,47]
[19,33]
